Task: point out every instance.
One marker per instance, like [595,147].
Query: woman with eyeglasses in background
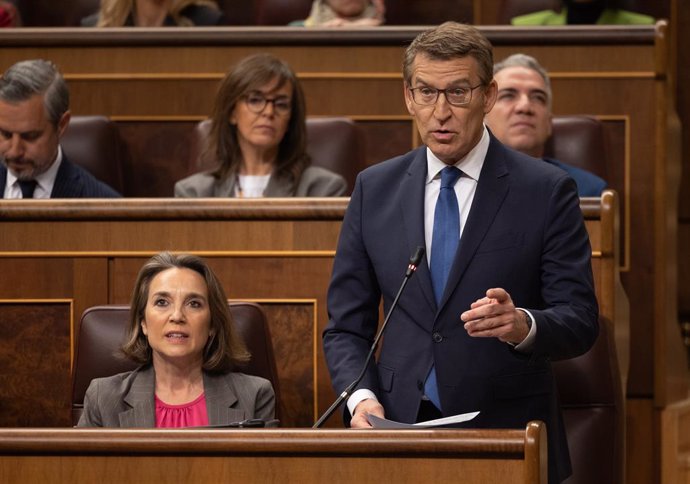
[258,138]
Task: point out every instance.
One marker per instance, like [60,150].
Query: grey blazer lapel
[220,398]
[225,187]
[140,398]
[279,186]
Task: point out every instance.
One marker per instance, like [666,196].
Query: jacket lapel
[220,398]
[491,192]
[140,398]
[279,186]
[3,179]
[412,208]
[65,181]
[225,187]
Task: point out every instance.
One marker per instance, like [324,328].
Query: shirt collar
[45,180]
[471,164]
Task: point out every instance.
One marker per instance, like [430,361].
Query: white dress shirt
[44,182]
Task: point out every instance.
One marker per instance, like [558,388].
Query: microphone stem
[348,391]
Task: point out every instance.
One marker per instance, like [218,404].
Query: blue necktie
[444,244]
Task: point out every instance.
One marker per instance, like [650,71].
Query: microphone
[245,424]
[415,259]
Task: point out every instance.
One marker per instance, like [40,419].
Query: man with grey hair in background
[521,117]
[34,114]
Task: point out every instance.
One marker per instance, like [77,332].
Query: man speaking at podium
[506,286]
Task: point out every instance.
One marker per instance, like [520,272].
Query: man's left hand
[495,316]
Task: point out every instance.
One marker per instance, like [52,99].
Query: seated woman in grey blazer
[258,138]
[181,332]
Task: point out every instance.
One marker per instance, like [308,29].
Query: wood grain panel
[266,236]
[281,259]
[641,432]
[294,334]
[269,455]
[35,362]
[159,154]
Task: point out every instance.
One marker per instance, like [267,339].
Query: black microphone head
[417,256]
[415,259]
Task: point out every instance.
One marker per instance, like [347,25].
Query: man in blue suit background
[521,117]
[506,286]
[34,114]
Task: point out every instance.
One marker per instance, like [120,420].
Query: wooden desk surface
[273,455]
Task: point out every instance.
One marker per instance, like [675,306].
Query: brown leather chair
[103,330]
[239,12]
[579,141]
[429,12]
[94,143]
[334,143]
[591,394]
[337,144]
[49,13]
[281,12]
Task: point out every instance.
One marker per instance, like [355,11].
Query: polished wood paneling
[675,450]
[641,443]
[269,456]
[158,154]
[294,331]
[35,362]
[278,252]
[683,99]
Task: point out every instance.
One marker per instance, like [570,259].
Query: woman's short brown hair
[224,348]
[249,74]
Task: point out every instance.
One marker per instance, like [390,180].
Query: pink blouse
[192,414]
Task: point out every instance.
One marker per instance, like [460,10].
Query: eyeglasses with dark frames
[456,96]
[256,102]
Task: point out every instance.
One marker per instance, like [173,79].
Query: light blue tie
[444,244]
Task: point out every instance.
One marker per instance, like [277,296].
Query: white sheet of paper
[382,423]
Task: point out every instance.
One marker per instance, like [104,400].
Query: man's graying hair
[27,78]
[528,62]
[449,41]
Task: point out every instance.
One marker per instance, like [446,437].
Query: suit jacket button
[437,337]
